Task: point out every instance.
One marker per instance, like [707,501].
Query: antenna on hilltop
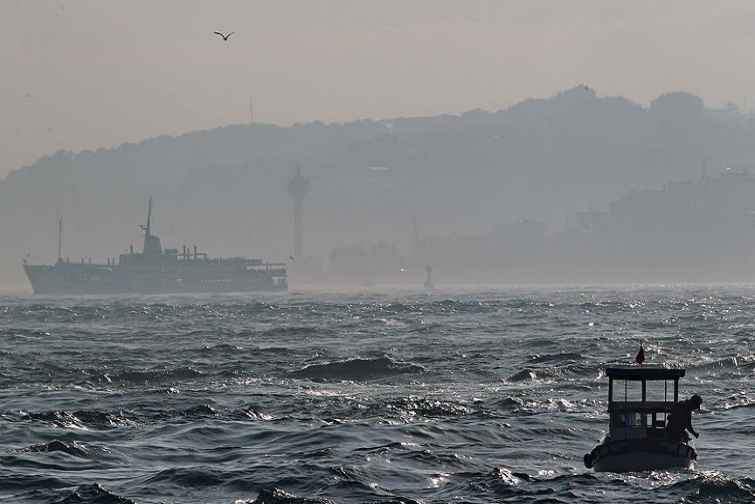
[60,239]
[251,110]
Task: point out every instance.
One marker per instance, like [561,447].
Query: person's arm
[689,425]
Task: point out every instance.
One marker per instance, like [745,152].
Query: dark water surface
[353,398]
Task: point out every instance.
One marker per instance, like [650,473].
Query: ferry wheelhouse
[640,399]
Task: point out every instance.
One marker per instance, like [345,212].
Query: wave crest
[424,407]
[717,488]
[82,419]
[357,369]
[93,494]
[277,496]
[73,448]
[152,376]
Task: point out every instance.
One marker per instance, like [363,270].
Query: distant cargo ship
[156,271]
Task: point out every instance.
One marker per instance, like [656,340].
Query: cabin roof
[649,372]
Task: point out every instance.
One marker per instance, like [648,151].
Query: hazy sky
[82,74]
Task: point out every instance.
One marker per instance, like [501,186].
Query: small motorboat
[637,439]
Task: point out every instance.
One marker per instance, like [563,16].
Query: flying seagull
[640,356]
[225,36]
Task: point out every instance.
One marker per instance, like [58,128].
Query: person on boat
[680,419]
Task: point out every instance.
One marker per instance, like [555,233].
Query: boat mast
[148,230]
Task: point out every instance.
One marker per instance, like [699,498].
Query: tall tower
[152,245]
[298,188]
[60,239]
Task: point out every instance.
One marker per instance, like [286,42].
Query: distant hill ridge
[543,159]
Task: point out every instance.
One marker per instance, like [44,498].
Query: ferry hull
[156,270]
[64,278]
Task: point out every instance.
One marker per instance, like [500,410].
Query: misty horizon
[491,191]
[336,62]
[480,137]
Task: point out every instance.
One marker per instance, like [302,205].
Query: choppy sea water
[395,397]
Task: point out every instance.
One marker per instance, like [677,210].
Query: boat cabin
[640,399]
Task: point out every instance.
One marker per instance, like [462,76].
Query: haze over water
[473,396]
[487,142]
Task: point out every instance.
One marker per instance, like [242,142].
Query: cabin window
[659,391]
[658,420]
[629,419]
[627,391]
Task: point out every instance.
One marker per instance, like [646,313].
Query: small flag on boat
[640,356]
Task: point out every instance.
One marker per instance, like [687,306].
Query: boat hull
[64,278]
[625,456]
[642,461]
